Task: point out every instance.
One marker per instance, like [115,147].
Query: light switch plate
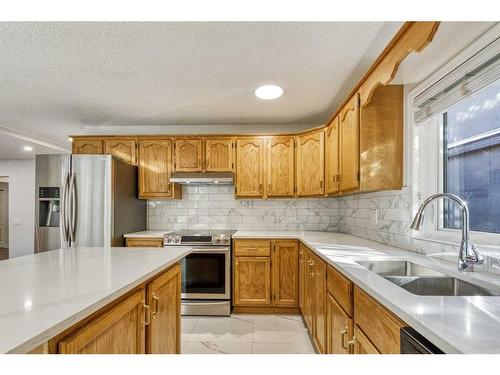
[18,222]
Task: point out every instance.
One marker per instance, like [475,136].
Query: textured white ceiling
[73,78]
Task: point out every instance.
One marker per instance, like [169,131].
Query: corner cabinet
[155,168]
[280,167]
[310,163]
[285,258]
[349,145]
[249,167]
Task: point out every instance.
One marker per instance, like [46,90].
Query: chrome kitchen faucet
[468,255]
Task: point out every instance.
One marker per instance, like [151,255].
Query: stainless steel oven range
[206,272]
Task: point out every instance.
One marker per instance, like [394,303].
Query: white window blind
[479,71]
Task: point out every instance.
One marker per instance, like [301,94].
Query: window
[456,143]
[471,160]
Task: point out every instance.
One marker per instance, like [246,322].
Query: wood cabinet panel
[341,288]
[362,344]
[252,247]
[144,242]
[252,281]
[155,168]
[349,145]
[320,305]
[219,155]
[249,167]
[122,148]
[332,167]
[164,297]
[118,331]
[309,287]
[280,167]
[381,140]
[285,280]
[310,163]
[302,275]
[188,155]
[380,325]
[339,328]
[91,146]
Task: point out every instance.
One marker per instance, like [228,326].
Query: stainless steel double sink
[425,281]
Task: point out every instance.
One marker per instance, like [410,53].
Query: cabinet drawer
[378,323]
[252,248]
[144,242]
[340,287]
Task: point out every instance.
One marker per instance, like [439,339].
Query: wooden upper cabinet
[122,148]
[87,146]
[252,281]
[118,331]
[332,170]
[339,328]
[155,168]
[310,163]
[285,257]
[219,155]
[280,167]
[164,298]
[249,167]
[349,145]
[188,155]
[381,139]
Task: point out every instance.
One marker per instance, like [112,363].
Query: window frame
[434,230]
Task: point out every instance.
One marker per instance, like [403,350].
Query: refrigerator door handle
[72,213]
[64,209]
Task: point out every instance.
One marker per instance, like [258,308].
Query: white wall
[21,174]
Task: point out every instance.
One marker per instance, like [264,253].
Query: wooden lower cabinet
[144,242]
[339,328]
[164,297]
[361,344]
[147,320]
[121,330]
[302,268]
[266,274]
[252,281]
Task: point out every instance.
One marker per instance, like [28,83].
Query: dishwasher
[413,342]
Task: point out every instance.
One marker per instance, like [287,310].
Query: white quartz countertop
[43,294]
[147,234]
[454,324]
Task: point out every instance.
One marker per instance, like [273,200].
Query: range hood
[202,178]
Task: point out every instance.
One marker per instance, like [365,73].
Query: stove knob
[177,239]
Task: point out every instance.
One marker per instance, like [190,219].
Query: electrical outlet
[18,222]
[374,217]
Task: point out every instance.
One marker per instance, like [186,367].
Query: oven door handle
[210,251]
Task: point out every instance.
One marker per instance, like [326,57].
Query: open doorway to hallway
[4,218]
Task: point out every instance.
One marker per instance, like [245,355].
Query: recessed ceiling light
[28,148]
[268,92]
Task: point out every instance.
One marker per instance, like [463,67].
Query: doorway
[4,218]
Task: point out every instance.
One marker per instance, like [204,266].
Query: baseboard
[265,310]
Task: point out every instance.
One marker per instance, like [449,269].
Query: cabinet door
[164,297]
[252,281]
[320,304]
[309,285]
[339,328]
[280,167]
[249,167]
[302,275]
[121,148]
[332,171]
[87,146]
[188,155]
[362,344]
[310,164]
[119,330]
[349,145]
[155,167]
[285,273]
[219,155]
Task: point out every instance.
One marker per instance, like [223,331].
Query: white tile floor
[245,334]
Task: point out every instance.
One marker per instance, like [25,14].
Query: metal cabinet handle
[343,338]
[147,314]
[352,342]
[156,306]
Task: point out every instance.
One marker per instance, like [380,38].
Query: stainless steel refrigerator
[85,200]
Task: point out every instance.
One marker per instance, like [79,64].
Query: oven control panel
[176,239]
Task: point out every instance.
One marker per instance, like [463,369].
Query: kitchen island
[61,300]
